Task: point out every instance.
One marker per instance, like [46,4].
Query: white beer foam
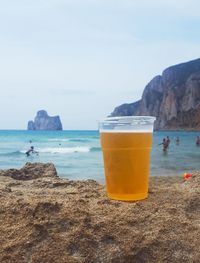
[126,131]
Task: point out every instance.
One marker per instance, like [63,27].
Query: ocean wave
[12,153]
[23,151]
[58,140]
[64,150]
[56,150]
[62,140]
[95,149]
[69,140]
[78,140]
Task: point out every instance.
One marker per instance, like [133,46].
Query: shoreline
[49,219]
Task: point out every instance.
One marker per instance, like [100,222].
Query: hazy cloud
[80,59]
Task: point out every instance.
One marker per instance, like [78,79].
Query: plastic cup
[126,144]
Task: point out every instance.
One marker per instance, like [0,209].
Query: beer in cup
[126,144]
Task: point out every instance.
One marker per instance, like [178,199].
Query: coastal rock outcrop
[50,219]
[43,121]
[173,98]
[31,171]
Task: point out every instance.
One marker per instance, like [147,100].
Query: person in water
[198,141]
[168,140]
[31,151]
[177,140]
[164,144]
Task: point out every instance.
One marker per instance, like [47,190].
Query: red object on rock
[187,176]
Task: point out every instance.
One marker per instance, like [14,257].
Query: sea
[77,154]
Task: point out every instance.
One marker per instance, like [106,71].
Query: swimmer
[198,141]
[168,140]
[165,144]
[177,140]
[31,151]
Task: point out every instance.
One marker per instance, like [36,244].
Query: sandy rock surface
[56,220]
[31,171]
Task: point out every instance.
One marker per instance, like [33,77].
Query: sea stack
[43,121]
[173,98]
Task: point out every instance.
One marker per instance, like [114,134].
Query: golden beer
[126,157]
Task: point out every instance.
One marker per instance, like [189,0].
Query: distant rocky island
[43,121]
[173,98]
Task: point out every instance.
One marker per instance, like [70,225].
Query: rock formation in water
[45,122]
[173,98]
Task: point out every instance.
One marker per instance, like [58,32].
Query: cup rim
[115,119]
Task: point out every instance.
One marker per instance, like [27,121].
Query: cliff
[173,98]
[43,121]
[48,219]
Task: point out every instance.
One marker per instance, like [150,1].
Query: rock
[31,171]
[31,125]
[127,109]
[173,98]
[43,121]
[75,222]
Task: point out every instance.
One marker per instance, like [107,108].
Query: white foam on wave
[23,151]
[58,140]
[64,150]
[68,140]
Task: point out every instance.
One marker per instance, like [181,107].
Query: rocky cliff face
[173,97]
[43,121]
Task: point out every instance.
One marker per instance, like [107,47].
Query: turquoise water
[77,154]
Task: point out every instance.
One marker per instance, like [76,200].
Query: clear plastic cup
[126,143]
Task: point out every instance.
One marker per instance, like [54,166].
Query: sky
[81,58]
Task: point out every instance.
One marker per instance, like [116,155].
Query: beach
[100,132]
[50,219]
